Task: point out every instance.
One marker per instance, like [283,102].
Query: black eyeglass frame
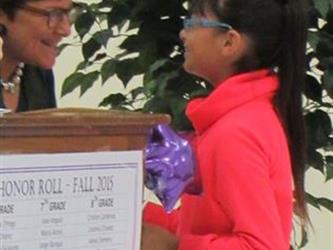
[57,14]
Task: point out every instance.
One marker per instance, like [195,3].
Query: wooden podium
[75,130]
[72,178]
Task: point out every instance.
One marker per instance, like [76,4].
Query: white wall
[321,239]
[65,65]
[322,236]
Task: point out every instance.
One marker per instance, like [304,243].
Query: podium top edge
[70,115]
[78,121]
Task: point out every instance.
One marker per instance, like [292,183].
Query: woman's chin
[46,64]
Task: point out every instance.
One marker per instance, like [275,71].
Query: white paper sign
[86,201]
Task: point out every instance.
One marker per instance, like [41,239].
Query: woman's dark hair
[278,31]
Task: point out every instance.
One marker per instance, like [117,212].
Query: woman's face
[29,38]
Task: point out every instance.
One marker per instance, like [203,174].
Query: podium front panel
[72,179]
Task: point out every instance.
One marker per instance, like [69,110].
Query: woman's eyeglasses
[202,22]
[55,16]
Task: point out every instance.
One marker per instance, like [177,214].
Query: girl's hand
[157,238]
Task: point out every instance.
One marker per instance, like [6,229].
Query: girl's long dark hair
[291,64]
[278,31]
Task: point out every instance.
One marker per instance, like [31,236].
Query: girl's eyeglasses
[202,22]
[55,16]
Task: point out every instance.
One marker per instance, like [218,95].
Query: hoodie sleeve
[155,214]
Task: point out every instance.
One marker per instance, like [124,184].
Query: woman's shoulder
[38,88]
[41,78]
[34,71]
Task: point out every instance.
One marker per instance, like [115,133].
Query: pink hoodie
[245,168]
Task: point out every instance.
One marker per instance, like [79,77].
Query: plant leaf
[90,48]
[88,81]
[103,36]
[157,105]
[329,167]
[313,89]
[118,14]
[84,23]
[126,69]
[62,47]
[71,82]
[322,6]
[108,69]
[319,127]
[157,64]
[136,92]
[316,160]
[326,203]
[304,237]
[313,38]
[312,200]
[113,100]
[328,79]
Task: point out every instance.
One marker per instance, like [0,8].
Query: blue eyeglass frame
[203,22]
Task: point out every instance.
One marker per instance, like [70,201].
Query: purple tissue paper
[169,165]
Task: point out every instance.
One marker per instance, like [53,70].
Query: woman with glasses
[31,31]
[250,132]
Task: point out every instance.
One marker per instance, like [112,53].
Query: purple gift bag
[170,166]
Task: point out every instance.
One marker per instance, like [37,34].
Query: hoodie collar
[229,94]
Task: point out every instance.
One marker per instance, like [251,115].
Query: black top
[36,90]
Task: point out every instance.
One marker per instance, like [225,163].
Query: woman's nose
[63,28]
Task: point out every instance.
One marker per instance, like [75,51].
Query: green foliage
[151,47]
[319,88]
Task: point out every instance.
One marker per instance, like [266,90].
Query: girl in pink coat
[249,130]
